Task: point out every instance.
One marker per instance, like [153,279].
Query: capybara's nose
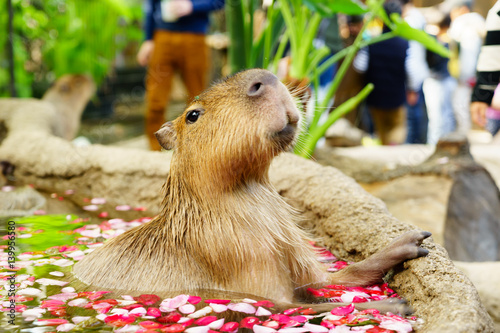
[257,85]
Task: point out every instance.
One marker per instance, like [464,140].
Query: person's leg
[493,126]
[449,123]
[417,120]
[390,124]
[461,107]
[194,63]
[434,101]
[158,86]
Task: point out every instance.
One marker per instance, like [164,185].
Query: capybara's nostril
[255,89]
[258,84]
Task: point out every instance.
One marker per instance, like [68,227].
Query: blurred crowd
[420,96]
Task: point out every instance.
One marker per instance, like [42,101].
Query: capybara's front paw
[407,246]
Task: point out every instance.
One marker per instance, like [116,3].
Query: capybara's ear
[166,136]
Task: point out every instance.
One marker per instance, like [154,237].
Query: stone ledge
[348,220]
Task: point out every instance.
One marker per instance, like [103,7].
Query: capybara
[223,226]
[69,95]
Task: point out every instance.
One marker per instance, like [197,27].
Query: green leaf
[330,7]
[121,8]
[364,323]
[403,29]
[54,233]
[317,320]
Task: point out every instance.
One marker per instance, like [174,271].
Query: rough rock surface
[348,220]
[355,224]
[484,275]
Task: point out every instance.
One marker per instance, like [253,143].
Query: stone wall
[348,220]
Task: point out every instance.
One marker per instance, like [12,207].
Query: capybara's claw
[407,246]
[422,252]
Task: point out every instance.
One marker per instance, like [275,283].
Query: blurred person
[390,65]
[415,105]
[175,40]
[493,114]
[467,31]
[438,90]
[486,90]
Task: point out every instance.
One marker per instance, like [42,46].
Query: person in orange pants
[175,41]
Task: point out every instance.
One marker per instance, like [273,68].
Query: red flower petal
[230,327]
[147,299]
[150,324]
[291,311]
[110,301]
[154,312]
[281,318]
[119,320]
[218,301]
[266,304]
[307,312]
[96,295]
[205,321]
[172,317]
[271,324]
[315,293]
[194,299]
[174,328]
[249,322]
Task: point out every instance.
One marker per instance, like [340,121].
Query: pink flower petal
[242,307]
[65,327]
[218,308]
[198,329]
[177,301]
[343,310]
[314,328]
[51,282]
[33,313]
[30,292]
[90,208]
[79,319]
[51,322]
[398,326]
[216,324]
[201,313]
[64,296]
[293,330]
[79,302]
[187,308]
[263,329]
[262,312]
[138,312]
[123,208]
[98,201]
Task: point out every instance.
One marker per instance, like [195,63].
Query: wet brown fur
[223,226]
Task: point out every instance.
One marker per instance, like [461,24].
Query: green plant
[56,37]
[302,19]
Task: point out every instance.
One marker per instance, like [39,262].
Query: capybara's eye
[192,116]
